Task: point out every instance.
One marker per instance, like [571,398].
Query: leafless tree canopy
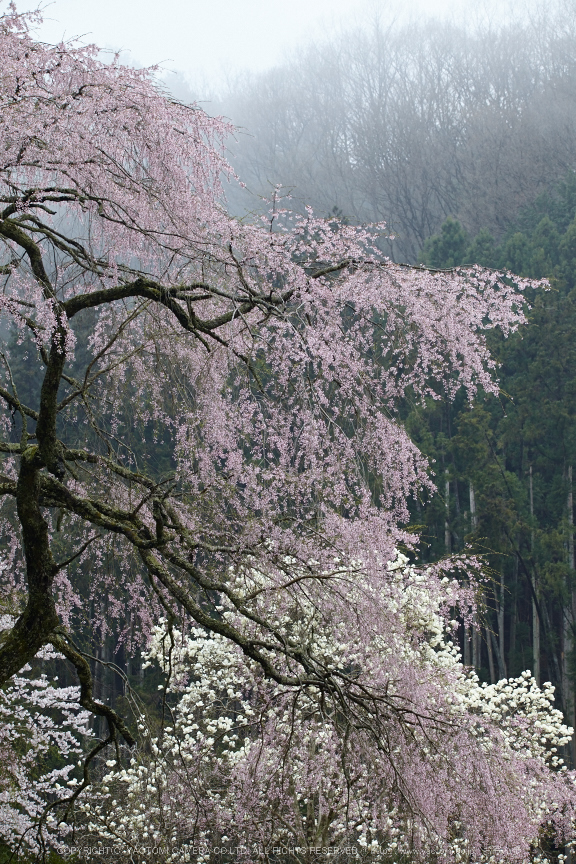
[413,123]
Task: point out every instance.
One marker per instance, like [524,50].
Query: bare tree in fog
[412,123]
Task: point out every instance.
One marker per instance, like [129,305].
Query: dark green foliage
[496,443]
[447,249]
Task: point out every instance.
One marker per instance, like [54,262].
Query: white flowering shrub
[246,762]
[524,714]
[38,720]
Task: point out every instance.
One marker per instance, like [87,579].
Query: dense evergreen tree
[508,461]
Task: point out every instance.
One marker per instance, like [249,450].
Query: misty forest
[288,445]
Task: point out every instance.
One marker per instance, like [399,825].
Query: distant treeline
[412,123]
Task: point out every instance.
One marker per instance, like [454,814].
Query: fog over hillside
[412,121]
[407,113]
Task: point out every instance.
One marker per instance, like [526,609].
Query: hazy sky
[208,38]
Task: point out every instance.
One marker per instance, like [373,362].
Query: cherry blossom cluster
[123,188]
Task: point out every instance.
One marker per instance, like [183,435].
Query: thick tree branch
[62,644]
